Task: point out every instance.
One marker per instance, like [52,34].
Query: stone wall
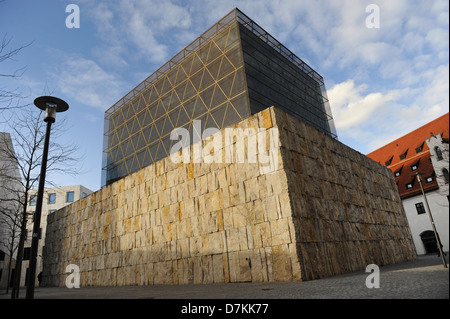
[346,209]
[324,210]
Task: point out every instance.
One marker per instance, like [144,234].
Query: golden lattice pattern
[208,85]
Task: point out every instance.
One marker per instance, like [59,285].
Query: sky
[385,63]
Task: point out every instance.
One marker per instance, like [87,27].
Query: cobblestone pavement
[424,278]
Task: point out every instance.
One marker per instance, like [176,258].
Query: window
[33,200]
[51,211]
[445,172]
[388,162]
[409,185]
[419,149]
[420,208]
[51,198]
[415,167]
[26,253]
[403,156]
[399,172]
[438,153]
[69,197]
[84,195]
[429,179]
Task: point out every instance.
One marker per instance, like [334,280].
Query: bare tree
[10,97]
[27,130]
[10,220]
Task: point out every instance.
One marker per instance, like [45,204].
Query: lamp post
[51,105]
[438,242]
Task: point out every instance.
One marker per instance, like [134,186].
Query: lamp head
[51,105]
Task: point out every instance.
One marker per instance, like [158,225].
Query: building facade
[423,151]
[10,189]
[54,198]
[233,70]
[324,210]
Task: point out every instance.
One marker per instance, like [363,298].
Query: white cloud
[85,81]
[351,108]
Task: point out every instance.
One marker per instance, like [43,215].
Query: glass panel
[206,96]
[146,133]
[147,96]
[183,118]
[218,97]
[190,91]
[174,102]
[196,79]
[159,86]
[199,109]
[231,116]
[241,105]
[238,83]
[225,68]
[166,102]
[141,142]
[167,127]
[129,164]
[159,126]
[214,53]
[203,52]
[226,84]
[181,76]
[173,116]
[179,90]
[172,75]
[235,56]
[186,64]
[214,67]
[140,157]
[233,37]
[134,140]
[160,153]
[167,85]
[160,111]
[152,150]
[206,81]
[189,106]
[167,144]
[219,114]
[221,39]
[196,65]
[210,123]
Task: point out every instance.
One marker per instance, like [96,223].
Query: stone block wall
[346,209]
[325,209]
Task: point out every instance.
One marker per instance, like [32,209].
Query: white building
[424,151]
[54,199]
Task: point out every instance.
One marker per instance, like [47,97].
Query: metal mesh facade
[233,70]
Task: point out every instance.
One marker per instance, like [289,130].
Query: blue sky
[382,82]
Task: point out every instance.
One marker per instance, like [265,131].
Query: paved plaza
[424,278]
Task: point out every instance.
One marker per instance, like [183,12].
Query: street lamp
[438,241]
[51,105]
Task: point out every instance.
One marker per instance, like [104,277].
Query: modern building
[54,198]
[10,189]
[233,70]
[322,209]
[423,151]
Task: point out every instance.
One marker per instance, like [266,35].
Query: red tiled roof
[411,143]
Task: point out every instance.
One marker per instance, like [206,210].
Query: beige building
[322,210]
[54,199]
